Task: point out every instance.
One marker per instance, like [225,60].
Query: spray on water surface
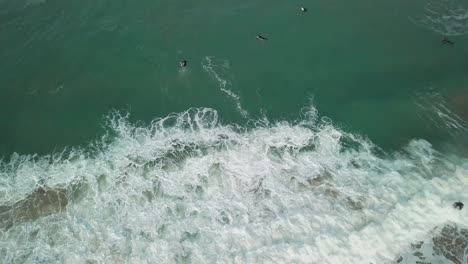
[189,189]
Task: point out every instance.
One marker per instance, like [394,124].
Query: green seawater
[342,138]
[371,67]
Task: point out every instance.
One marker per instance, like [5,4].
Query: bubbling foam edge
[188,188]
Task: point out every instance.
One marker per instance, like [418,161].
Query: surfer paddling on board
[260,37]
[445,40]
[183,63]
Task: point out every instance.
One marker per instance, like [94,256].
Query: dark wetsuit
[458,205]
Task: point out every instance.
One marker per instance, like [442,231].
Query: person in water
[260,37]
[183,63]
[303,9]
[445,40]
[458,205]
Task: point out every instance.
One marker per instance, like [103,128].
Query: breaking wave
[187,188]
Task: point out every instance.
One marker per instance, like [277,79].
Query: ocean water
[341,139]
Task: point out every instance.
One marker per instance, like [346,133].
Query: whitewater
[188,188]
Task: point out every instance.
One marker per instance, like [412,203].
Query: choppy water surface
[187,188]
[341,139]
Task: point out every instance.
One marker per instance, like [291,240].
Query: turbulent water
[341,139]
[447,17]
[188,188]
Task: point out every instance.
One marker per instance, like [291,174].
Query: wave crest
[187,188]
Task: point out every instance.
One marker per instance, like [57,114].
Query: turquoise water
[66,65]
[341,139]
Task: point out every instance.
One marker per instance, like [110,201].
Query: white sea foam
[219,70]
[186,188]
[435,109]
[447,17]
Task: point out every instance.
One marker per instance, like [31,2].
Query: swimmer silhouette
[183,63]
[445,40]
[260,37]
[458,205]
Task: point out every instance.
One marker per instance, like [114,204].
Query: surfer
[303,9]
[445,40]
[260,37]
[458,205]
[183,63]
